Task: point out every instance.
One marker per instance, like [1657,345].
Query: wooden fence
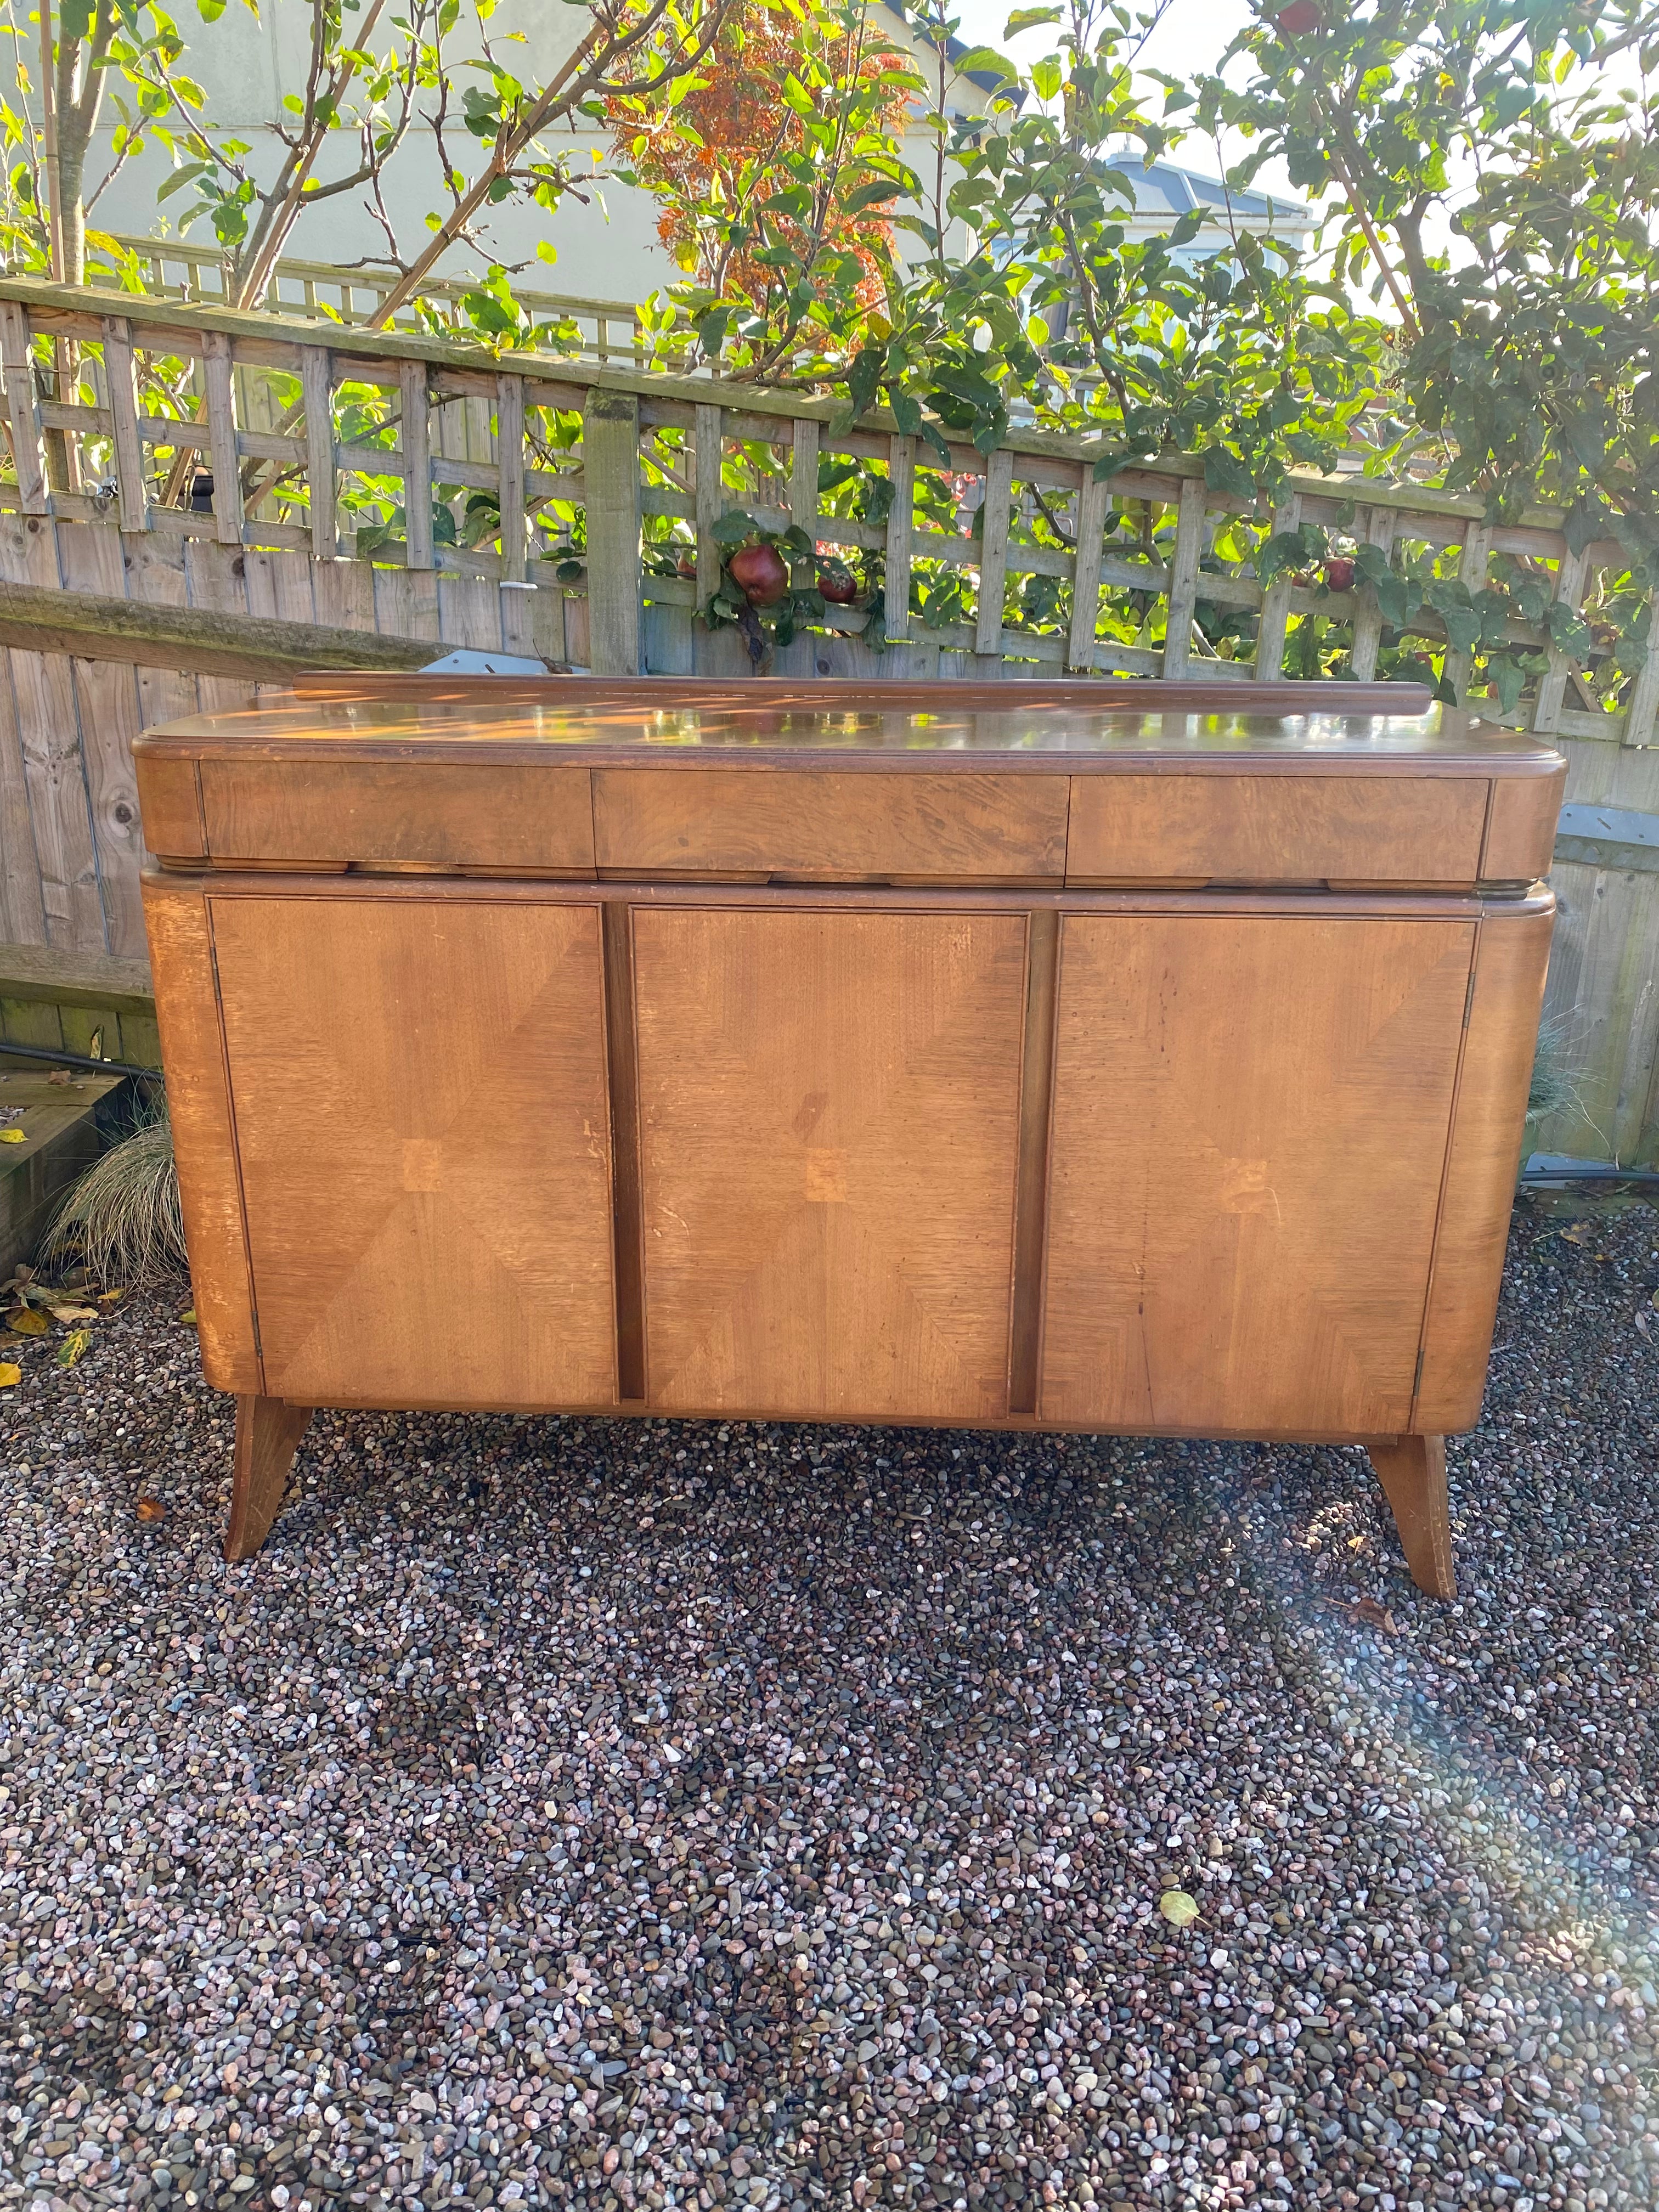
[599,331]
[383,492]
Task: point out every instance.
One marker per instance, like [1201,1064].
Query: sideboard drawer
[761,825]
[1244,829]
[536,819]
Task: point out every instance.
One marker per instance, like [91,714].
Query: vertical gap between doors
[627,1204]
[1031,1184]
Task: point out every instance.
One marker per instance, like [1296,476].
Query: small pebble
[667,1814]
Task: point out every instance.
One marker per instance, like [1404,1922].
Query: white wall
[605,243]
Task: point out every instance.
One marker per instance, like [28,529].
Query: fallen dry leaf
[150,1509]
[27,1322]
[108,1297]
[1178,1908]
[189,1315]
[73,1346]
[1370,1614]
[68,1314]
[13,1137]
[10,1373]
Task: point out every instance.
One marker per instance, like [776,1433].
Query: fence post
[120,380]
[710,499]
[24,405]
[1457,667]
[222,438]
[1094,502]
[1552,686]
[994,519]
[317,388]
[1643,713]
[1276,602]
[1183,577]
[415,439]
[1368,615]
[804,493]
[509,462]
[611,476]
[901,531]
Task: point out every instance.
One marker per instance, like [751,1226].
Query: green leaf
[1226,472]
[876,194]
[985,61]
[1394,599]
[732,529]
[1569,633]
[1027,19]
[1110,463]
[1509,680]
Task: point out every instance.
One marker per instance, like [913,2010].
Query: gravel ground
[674,1816]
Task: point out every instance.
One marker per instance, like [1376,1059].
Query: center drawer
[761,824]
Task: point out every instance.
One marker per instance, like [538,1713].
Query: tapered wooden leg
[268,1433]
[1413,1471]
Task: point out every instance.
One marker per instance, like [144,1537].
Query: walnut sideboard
[1135,1058]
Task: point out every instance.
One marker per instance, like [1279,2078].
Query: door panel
[1249,1127]
[421,1109]
[830,1128]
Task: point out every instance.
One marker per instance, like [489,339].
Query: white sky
[1192,36]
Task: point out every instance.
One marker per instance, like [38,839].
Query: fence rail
[429,491]
[600,331]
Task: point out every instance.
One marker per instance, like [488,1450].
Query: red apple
[1299,18]
[838,584]
[1338,573]
[760,572]
[687,564]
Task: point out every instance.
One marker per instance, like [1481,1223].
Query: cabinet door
[419,1096]
[1251,1124]
[829,1129]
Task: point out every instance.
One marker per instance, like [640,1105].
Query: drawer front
[538,820]
[958,828]
[1277,828]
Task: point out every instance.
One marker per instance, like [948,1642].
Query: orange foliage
[728,140]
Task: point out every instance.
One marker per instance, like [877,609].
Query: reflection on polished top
[865,728]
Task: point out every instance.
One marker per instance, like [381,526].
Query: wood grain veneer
[170,802]
[1277,828]
[1482,1162]
[829,1134]
[403,1075]
[826,827]
[1249,1120]
[1519,841]
[437,814]
[204,1135]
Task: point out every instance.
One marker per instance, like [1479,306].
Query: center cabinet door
[419,1087]
[830,1124]
[1251,1122]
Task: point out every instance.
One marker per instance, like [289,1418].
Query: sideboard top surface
[931,731]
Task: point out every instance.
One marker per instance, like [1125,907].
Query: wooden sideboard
[1134,1058]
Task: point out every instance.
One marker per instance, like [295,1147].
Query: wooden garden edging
[314,432]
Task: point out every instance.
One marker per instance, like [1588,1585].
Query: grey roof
[1169,186]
